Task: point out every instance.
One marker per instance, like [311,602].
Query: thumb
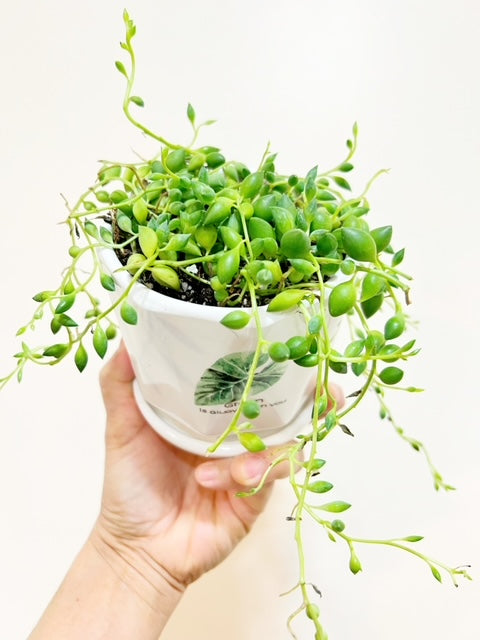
[123,416]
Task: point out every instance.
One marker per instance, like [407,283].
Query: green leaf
[394,326]
[335,507]
[177,242]
[100,341]
[140,211]
[413,538]
[218,211]
[230,237]
[260,228]
[106,235]
[398,257]
[236,319]
[224,381]
[81,358]
[203,192]
[310,189]
[43,296]
[359,244]
[65,303]
[355,564]
[358,368]
[128,313]
[372,305]
[148,241]
[56,350]
[124,223]
[295,244]
[354,349]
[175,160]
[107,282]
[320,486]
[372,285]
[191,113]
[284,220]
[344,184]
[345,167]
[121,67]
[325,196]
[206,237]
[251,185]
[228,266]
[436,573]
[137,100]
[342,298]
[251,442]
[382,237]
[279,352]
[91,229]
[166,276]
[286,300]
[66,321]
[391,375]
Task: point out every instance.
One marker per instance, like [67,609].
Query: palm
[151,498]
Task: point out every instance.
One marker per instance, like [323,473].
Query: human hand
[177,511]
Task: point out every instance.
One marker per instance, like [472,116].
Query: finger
[244,471]
[123,416]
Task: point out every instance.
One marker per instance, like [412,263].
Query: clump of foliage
[246,238]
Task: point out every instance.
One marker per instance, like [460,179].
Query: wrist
[111,592]
[140,574]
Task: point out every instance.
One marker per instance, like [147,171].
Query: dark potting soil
[192,289]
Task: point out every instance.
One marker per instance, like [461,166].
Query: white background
[298,74]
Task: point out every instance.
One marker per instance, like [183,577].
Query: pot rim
[155,301]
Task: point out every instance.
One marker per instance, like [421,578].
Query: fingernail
[207,474]
[254,468]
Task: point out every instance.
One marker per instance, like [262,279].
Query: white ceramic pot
[191,370]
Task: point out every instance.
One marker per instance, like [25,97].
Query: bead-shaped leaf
[140,210]
[218,211]
[342,298]
[128,313]
[65,303]
[286,300]
[56,350]
[335,507]
[236,319]
[124,223]
[107,282]
[372,305]
[100,341]
[251,185]
[295,244]
[320,486]
[394,326]
[382,237]
[148,241]
[260,228]
[372,285]
[81,357]
[355,564]
[359,244]
[251,442]
[391,375]
[166,276]
[398,257]
[191,113]
[228,265]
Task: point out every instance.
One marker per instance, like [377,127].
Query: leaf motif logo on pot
[224,381]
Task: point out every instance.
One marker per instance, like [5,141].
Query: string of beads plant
[191,219]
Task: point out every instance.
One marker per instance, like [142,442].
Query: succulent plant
[194,225]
